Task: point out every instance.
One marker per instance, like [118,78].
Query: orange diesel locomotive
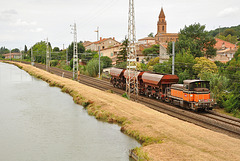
[192,94]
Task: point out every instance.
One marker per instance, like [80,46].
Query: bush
[93,67]
[54,63]
[122,65]
[107,62]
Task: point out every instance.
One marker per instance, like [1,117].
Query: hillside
[231,34]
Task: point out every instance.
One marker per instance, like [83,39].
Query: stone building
[162,36]
[103,43]
[147,40]
[12,55]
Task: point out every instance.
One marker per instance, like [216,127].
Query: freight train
[192,94]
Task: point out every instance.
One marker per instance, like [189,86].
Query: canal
[40,123]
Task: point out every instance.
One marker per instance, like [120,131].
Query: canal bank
[163,137]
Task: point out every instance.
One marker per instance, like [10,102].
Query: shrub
[54,63]
[93,67]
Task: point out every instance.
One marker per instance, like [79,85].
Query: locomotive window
[186,86]
[199,85]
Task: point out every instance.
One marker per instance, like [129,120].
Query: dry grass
[163,137]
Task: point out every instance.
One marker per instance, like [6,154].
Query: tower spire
[162,15]
[162,24]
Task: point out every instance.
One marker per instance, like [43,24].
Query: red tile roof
[220,43]
[97,42]
[12,54]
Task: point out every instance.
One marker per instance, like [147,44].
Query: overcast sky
[25,22]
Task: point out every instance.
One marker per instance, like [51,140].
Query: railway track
[210,120]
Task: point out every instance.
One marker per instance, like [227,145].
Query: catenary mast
[75,54]
[131,81]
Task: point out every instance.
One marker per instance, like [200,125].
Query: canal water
[40,123]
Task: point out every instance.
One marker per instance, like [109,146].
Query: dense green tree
[234,31]
[229,38]
[25,49]
[152,51]
[4,50]
[16,50]
[218,85]
[122,56]
[184,63]
[229,31]
[87,56]
[39,51]
[106,61]
[195,39]
[56,49]
[202,65]
[151,63]
[233,73]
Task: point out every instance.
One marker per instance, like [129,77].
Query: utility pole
[131,80]
[47,57]
[219,30]
[20,54]
[32,60]
[10,54]
[173,56]
[75,54]
[99,56]
[67,56]
[159,52]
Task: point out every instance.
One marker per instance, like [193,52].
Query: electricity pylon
[131,81]
[75,54]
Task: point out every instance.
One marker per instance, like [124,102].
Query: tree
[122,56]
[229,38]
[184,63]
[232,104]
[106,61]
[195,39]
[152,51]
[16,50]
[151,34]
[4,50]
[80,49]
[229,31]
[218,85]
[202,65]
[25,49]
[56,49]
[39,51]
[151,63]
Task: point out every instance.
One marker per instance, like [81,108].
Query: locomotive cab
[196,93]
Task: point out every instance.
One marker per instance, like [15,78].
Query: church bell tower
[162,24]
